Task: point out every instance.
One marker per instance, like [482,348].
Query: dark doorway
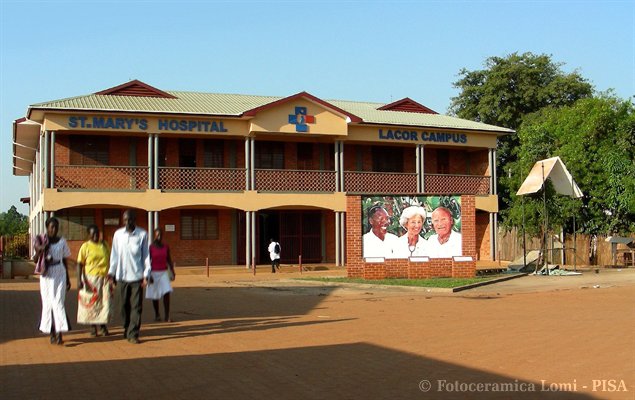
[299,233]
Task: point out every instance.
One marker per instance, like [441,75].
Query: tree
[595,138]
[509,89]
[13,223]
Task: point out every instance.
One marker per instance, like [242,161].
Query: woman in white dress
[54,283]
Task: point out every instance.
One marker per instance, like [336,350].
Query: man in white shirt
[445,243]
[274,254]
[378,242]
[130,270]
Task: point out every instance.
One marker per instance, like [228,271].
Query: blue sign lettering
[107,123]
[413,136]
[191,126]
[121,123]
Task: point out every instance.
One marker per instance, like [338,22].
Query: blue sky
[350,50]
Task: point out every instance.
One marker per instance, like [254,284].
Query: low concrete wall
[13,268]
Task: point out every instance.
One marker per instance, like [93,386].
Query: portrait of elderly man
[378,242]
[445,242]
[412,243]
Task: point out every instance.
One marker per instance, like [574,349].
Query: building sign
[409,226]
[300,119]
[124,123]
[422,136]
[107,123]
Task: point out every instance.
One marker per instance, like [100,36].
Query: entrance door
[299,233]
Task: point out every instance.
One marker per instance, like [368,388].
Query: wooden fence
[588,250]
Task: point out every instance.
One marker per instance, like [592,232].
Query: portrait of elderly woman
[412,243]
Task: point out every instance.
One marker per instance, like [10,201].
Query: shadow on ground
[347,371]
[247,307]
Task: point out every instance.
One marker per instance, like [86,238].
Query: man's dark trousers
[131,300]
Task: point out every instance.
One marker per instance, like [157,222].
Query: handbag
[40,258]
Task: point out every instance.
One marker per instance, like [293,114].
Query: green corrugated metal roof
[236,104]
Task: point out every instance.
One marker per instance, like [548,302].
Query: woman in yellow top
[95,292]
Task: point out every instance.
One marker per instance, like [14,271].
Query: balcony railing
[207,179]
[285,180]
[99,177]
[105,177]
[380,182]
[456,184]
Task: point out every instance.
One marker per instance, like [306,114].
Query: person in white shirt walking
[274,254]
[130,270]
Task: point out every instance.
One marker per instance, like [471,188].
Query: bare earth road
[236,336]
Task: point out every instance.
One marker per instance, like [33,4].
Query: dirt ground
[272,336]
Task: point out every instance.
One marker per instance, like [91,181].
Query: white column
[336,156]
[422,166]
[337,238]
[341,155]
[151,183]
[492,168]
[494,173]
[155,161]
[343,236]
[248,239]
[156,219]
[253,234]
[150,226]
[247,165]
[45,157]
[418,165]
[52,178]
[39,167]
[252,156]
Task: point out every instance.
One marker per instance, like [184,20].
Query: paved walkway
[237,336]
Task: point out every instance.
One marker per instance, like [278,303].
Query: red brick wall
[409,160]
[62,150]
[479,162]
[468,225]
[290,156]
[194,252]
[119,151]
[429,160]
[458,162]
[172,152]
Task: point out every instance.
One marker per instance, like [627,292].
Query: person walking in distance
[274,254]
[129,271]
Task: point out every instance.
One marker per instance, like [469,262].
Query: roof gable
[136,88]
[301,95]
[407,105]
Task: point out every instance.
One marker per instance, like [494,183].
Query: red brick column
[468,226]
[463,269]
[354,261]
